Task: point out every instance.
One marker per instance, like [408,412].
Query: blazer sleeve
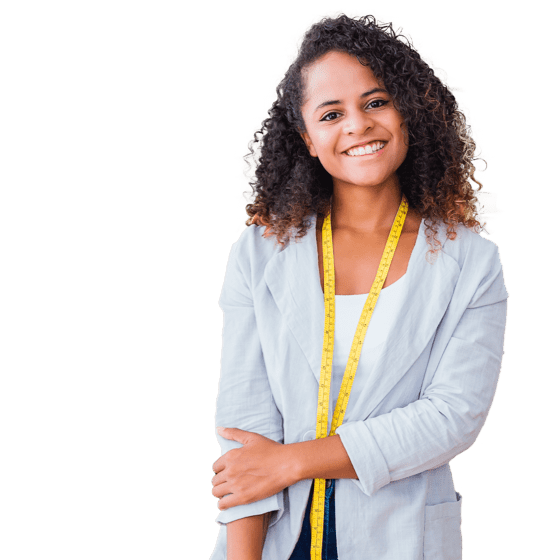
[453,407]
[244,399]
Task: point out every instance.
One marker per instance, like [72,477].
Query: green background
[120,124]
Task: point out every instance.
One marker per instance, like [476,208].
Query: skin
[366,198]
[366,189]
[332,129]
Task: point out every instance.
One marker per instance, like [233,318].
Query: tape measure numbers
[318,503]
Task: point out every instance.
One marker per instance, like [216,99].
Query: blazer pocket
[442,531]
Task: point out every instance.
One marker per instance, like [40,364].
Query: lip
[365,144]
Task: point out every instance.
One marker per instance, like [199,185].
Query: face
[344,106]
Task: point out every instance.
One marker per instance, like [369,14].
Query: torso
[357,256]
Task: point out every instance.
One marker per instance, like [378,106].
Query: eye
[328,114]
[380,101]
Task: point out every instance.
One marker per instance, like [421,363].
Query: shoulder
[478,259]
[248,259]
[468,247]
[253,247]
[252,252]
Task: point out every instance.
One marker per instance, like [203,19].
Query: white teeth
[363,150]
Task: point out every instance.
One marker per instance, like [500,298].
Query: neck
[365,209]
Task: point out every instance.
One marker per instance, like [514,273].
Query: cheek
[324,140]
[326,149]
[403,148]
[402,143]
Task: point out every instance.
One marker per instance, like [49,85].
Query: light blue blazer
[424,402]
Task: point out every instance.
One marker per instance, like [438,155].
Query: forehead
[337,75]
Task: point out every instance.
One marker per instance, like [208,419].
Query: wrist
[320,458]
[293,464]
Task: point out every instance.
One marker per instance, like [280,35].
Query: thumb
[233,433]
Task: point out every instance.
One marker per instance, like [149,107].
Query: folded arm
[443,422]
[450,412]
[427,433]
[245,399]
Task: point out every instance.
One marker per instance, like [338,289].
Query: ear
[309,144]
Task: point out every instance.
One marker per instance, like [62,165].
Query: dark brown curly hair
[290,184]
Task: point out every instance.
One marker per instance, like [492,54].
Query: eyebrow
[337,101]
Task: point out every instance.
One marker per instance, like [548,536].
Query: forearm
[321,458]
[245,537]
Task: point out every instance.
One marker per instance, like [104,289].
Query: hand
[259,469]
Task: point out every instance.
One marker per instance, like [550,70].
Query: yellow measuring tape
[318,504]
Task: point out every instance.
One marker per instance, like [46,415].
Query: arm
[442,423]
[245,537]
[244,397]
[451,410]
[320,458]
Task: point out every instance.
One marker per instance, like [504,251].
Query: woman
[364,170]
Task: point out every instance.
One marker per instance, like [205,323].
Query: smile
[372,148]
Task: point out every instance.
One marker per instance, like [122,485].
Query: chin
[367,181]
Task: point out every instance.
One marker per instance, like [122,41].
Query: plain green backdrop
[123,127]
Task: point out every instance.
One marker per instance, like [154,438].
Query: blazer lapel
[426,295]
[292,277]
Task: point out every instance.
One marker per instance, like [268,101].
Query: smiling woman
[358,113]
[365,159]
[361,140]
[316,102]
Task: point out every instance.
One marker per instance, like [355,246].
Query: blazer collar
[292,276]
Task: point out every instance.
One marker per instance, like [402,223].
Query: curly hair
[290,184]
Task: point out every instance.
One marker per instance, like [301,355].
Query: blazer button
[309,435]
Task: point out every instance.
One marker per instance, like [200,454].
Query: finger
[219,478]
[227,502]
[218,465]
[235,434]
[221,490]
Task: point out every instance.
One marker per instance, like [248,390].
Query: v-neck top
[348,309]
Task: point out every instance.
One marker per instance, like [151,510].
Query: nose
[357,122]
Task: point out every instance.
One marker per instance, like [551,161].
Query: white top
[348,309]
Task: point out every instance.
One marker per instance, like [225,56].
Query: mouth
[369,149]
